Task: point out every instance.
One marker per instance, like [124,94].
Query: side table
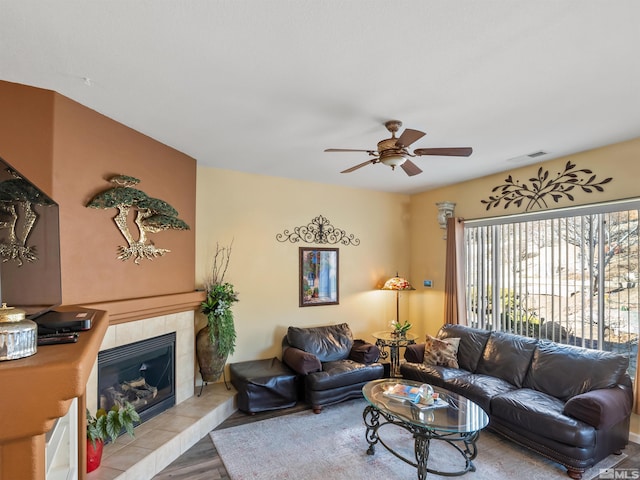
[393,341]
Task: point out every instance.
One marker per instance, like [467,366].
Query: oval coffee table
[458,423]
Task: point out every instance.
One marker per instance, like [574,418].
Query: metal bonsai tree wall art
[319,230]
[152,215]
[17,199]
[542,188]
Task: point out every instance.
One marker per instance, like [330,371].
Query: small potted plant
[400,329]
[107,426]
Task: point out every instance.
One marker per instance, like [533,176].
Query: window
[567,275]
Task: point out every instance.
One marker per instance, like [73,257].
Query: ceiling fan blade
[408,137]
[345,150]
[360,165]
[410,168]
[445,152]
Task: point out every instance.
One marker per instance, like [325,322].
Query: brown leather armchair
[333,366]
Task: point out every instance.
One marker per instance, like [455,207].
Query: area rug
[332,446]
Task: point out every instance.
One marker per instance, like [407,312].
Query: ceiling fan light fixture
[393,152]
[393,160]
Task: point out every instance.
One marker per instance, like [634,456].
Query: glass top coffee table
[458,422]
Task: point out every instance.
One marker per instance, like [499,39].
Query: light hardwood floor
[202,461]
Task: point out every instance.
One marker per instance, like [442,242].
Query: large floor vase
[210,361]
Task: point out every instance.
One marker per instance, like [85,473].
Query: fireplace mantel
[127,310]
[38,390]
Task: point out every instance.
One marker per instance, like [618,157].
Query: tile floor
[164,438]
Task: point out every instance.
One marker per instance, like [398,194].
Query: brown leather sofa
[569,404]
[333,367]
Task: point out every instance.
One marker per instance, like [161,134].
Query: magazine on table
[404,392]
[422,397]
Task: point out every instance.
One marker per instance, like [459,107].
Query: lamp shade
[392,160]
[397,283]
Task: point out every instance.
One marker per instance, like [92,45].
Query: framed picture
[318,276]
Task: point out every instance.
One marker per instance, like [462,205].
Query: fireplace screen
[141,373]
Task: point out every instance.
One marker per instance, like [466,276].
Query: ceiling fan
[393,151]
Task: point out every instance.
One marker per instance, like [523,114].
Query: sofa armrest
[300,361]
[364,352]
[600,408]
[414,353]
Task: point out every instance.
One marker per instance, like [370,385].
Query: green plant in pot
[400,328]
[107,426]
[217,340]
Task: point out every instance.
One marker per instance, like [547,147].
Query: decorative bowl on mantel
[18,334]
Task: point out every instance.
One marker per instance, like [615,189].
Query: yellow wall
[619,161]
[397,233]
[252,209]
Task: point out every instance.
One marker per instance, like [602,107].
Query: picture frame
[318,276]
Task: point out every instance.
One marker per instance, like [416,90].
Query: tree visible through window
[570,276]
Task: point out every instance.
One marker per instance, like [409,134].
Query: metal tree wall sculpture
[152,215]
[17,199]
[542,188]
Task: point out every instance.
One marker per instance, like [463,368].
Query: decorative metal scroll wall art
[152,215]
[540,189]
[319,230]
[17,200]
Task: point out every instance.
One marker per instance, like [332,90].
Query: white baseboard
[634,437]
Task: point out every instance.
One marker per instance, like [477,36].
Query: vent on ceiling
[528,157]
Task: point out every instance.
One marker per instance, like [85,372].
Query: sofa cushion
[543,415]
[441,352]
[328,343]
[435,375]
[601,408]
[472,343]
[479,388]
[343,373]
[507,356]
[564,371]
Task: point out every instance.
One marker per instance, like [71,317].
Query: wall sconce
[445,210]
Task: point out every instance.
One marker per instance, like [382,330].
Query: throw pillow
[441,352]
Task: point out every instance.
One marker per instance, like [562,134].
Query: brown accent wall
[26,132]
[69,151]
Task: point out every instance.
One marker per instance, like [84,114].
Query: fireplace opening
[141,373]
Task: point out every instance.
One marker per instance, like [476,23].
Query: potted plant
[107,426]
[400,329]
[217,340]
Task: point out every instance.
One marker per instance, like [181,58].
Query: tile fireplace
[141,373]
[132,335]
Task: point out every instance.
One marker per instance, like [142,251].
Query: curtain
[636,387]
[454,279]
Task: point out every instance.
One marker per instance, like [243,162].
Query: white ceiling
[264,86]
